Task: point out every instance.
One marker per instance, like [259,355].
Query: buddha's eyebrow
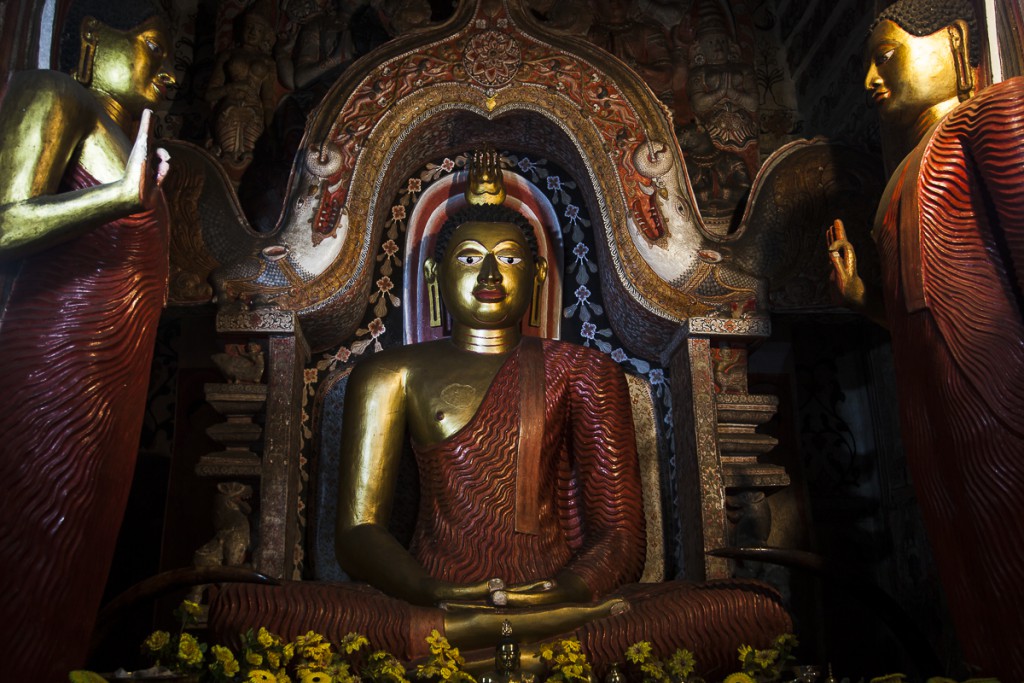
[500,245]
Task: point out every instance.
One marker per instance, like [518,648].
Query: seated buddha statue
[530,493]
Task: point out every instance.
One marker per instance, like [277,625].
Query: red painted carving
[496,58]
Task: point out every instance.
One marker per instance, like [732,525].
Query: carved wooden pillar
[277,526]
[717,446]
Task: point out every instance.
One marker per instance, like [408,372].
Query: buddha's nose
[872,80]
[489,273]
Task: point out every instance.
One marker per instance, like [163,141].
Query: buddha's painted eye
[510,260]
[884,56]
[469,259]
[154,47]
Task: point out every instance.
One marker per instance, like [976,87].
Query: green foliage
[767,665]
[383,667]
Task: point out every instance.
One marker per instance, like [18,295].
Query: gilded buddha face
[908,75]
[486,275]
[132,67]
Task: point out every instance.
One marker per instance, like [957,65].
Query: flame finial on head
[486,186]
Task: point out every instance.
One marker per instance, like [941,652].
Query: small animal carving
[241,364]
[230,542]
[730,368]
[231,522]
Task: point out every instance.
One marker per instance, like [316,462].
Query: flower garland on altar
[264,657]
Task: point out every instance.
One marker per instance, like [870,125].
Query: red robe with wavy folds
[951,239]
[589,519]
[76,344]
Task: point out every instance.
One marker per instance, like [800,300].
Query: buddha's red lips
[489,295]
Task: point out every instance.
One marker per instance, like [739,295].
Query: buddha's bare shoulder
[401,362]
[47,88]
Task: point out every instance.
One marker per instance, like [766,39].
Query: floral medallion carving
[492,58]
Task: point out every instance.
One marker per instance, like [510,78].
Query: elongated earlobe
[958,37]
[87,53]
[433,292]
[538,288]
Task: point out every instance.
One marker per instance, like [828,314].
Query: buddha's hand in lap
[442,592]
[568,589]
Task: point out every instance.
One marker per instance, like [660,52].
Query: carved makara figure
[951,239]
[531,507]
[84,246]
[241,365]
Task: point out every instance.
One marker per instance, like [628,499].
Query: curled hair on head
[925,17]
[117,14]
[487,213]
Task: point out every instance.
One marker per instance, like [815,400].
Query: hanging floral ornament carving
[492,58]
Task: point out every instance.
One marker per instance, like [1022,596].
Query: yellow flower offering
[157,640]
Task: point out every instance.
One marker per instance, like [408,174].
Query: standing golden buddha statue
[950,232]
[83,269]
[530,495]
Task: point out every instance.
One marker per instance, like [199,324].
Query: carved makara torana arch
[493,75]
[447,88]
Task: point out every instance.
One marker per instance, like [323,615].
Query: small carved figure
[321,45]
[730,368]
[724,100]
[231,537]
[231,524]
[507,664]
[615,675]
[723,92]
[242,91]
[950,236]
[241,364]
[642,44]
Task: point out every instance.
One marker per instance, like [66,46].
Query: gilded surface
[708,459]
[645,426]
